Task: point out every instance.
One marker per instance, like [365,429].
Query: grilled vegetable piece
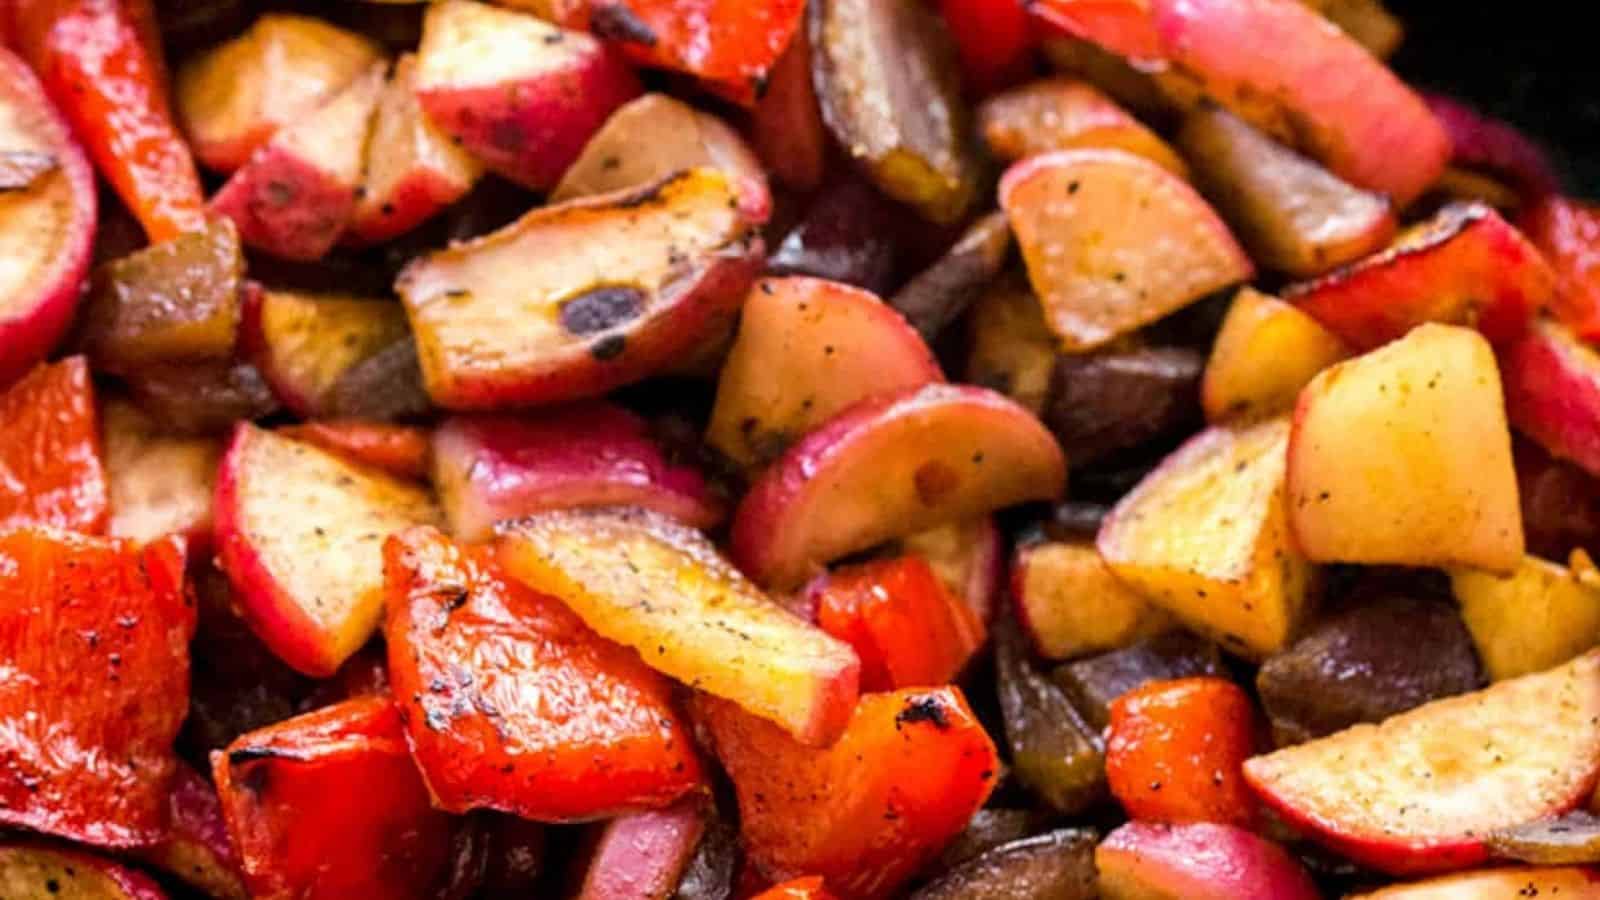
[806,350]
[235,96]
[493,468]
[516,92]
[1567,232]
[1294,215]
[1465,266]
[786,124]
[1058,865]
[157,483]
[51,465]
[1524,881]
[1386,653]
[574,300]
[202,398]
[642,855]
[1265,353]
[413,171]
[317,350]
[988,829]
[885,73]
[94,691]
[328,804]
[1205,537]
[298,192]
[283,509]
[176,301]
[48,213]
[1201,861]
[1540,616]
[939,294]
[1070,603]
[198,850]
[1093,683]
[888,467]
[1053,753]
[1423,791]
[1175,749]
[1552,384]
[653,584]
[848,812]
[1102,403]
[1113,242]
[1067,114]
[1403,456]
[400,450]
[654,136]
[39,872]
[512,703]
[1012,350]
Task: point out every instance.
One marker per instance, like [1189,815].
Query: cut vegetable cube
[1175,749]
[1552,381]
[643,855]
[1053,753]
[1538,617]
[1492,884]
[309,345]
[969,557]
[1266,352]
[1012,349]
[158,484]
[1070,603]
[1201,861]
[1064,114]
[37,872]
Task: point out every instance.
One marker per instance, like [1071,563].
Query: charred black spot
[608,348]
[617,22]
[601,309]
[923,709]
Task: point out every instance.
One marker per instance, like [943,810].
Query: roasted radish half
[283,510]
[48,211]
[645,581]
[316,350]
[576,299]
[159,483]
[1070,603]
[806,349]
[1113,242]
[1064,114]
[1144,861]
[889,467]
[489,469]
[1492,884]
[1538,617]
[1265,353]
[1423,791]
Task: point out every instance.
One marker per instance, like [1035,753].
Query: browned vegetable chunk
[1092,683]
[943,291]
[1570,839]
[1054,866]
[202,398]
[1053,752]
[1106,402]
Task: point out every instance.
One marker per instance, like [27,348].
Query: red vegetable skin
[51,472]
[37,871]
[1567,231]
[1176,751]
[869,812]
[786,123]
[197,848]
[512,703]
[642,856]
[808,888]
[328,806]
[1203,861]
[1552,384]
[95,636]
[994,40]
[101,62]
[397,449]
[1488,144]
[907,627]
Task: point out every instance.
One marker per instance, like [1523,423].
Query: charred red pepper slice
[51,471]
[94,634]
[1176,752]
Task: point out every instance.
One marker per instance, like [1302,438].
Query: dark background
[1534,63]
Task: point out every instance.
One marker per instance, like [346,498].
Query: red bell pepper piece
[328,806]
[995,41]
[1568,233]
[51,472]
[809,888]
[1176,752]
[101,62]
[904,623]
[513,704]
[94,633]
[869,812]
[397,449]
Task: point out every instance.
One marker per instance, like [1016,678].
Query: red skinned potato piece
[158,483]
[969,557]
[328,805]
[655,136]
[284,509]
[886,76]
[413,171]
[1202,861]
[308,346]
[1265,353]
[1465,266]
[520,94]
[1066,114]
[642,855]
[401,450]
[573,300]
[1070,603]
[1490,145]
[1423,791]
[1492,884]
[653,584]
[854,813]
[888,467]
[197,849]
[39,872]
[1114,242]
[513,704]
[806,349]
[1012,349]
[94,693]
[51,465]
[1552,382]
[296,195]
[491,468]
[48,211]
[235,96]
[786,124]
[1567,231]
[1403,457]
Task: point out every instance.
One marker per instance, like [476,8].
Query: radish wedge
[650,583]
[1202,861]
[889,467]
[1423,791]
[1114,242]
[300,533]
[159,483]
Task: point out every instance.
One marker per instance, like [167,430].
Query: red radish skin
[1552,383]
[1484,143]
[1141,861]
[641,856]
[46,231]
[198,850]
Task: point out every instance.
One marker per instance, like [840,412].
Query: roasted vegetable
[1094,683]
[1063,114]
[847,234]
[1197,862]
[1539,616]
[157,483]
[1265,353]
[941,293]
[1070,603]
[37,872]
[1058,865]
[1102,403]
[1053,752]
[1174,752]
[50,456]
